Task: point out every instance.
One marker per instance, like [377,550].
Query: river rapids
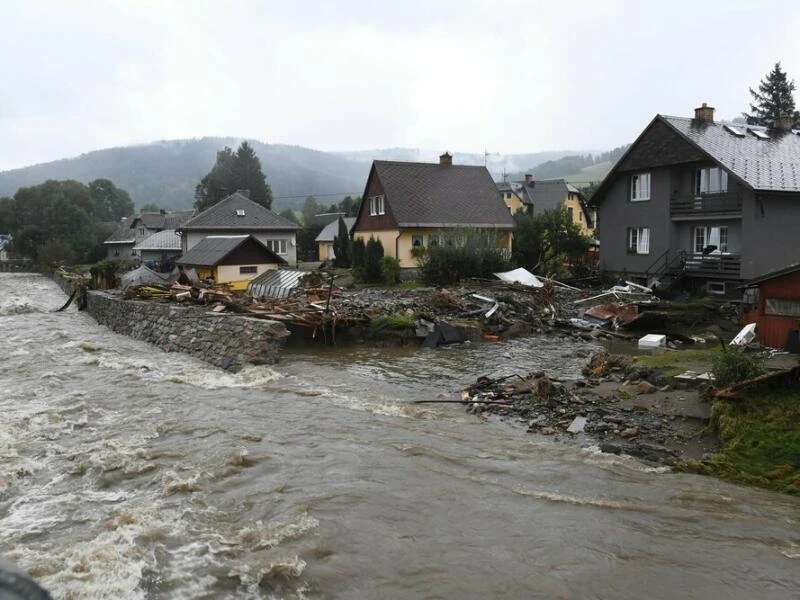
[131,473]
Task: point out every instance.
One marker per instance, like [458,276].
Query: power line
[343,194]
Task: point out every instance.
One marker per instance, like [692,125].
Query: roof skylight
[734,130]
[759,134]
[239,212]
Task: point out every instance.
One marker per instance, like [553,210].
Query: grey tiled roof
[167,239]
[159,220]
[547,194]
[223,215]
[209,251]
[123,234]
[331,230]
[434,195]
[764,164]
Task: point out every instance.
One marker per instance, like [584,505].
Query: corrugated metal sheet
[275,284]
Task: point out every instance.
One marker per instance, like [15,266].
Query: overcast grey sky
[508,76]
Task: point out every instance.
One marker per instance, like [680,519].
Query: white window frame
[710,181]
[278,246]
[783,307]
[712,287]
[638,240]
[376,206]
[640,187]
[703,236]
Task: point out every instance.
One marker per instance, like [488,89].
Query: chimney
[528,178]
[245,193]
[783,123]
[704,114]
[446,159]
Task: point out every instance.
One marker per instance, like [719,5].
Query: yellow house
[231,259]
[411,206]
[325,238]
[512,198]
[551,194]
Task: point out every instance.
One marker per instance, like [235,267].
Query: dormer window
[376,205]
[239,212]
[711,180]
[640,187]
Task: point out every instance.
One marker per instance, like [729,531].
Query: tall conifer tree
[240,170]
[772,100]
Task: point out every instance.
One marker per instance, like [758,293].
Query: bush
[472,255]
[357,252]
[733,365]
[390,267]
[372,261]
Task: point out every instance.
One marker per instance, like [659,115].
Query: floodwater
[131,473]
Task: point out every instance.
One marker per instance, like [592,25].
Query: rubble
[622,419]
[496,310]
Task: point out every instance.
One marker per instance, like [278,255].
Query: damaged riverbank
[748,433]
[623,405]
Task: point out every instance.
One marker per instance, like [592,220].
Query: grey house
[238,215]
[132,231]
[706,203]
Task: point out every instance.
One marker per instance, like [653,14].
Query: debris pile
[554,407]
[497,309]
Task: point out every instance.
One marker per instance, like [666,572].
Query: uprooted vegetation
[760,440]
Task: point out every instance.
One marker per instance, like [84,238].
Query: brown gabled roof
[435,195]
[212,250]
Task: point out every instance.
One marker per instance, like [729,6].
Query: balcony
[712,265]
[728,204]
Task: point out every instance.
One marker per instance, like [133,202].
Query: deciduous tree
[547,242]
[109,203]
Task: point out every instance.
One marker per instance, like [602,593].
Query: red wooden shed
[772,302]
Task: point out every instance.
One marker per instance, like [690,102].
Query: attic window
[759,134]
[239,212]
[734,130]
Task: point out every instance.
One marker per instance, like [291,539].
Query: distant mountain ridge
[166,172]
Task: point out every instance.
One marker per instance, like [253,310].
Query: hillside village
[692,206]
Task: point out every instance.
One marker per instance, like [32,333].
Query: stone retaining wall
[227,340]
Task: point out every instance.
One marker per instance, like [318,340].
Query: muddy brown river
[130,473]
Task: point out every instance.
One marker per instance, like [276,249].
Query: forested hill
[166,173]
[571,166]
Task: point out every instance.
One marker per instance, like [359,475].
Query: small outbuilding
[772,302]
[231,259]
[325,238]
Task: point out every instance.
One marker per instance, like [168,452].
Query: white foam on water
[594,455]
[793,551]
[16,305]
[176,368]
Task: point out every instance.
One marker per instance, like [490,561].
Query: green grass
[760,440]
[391,322]
[675,362]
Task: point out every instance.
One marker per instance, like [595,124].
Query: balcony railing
[728,203]
[709,265]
